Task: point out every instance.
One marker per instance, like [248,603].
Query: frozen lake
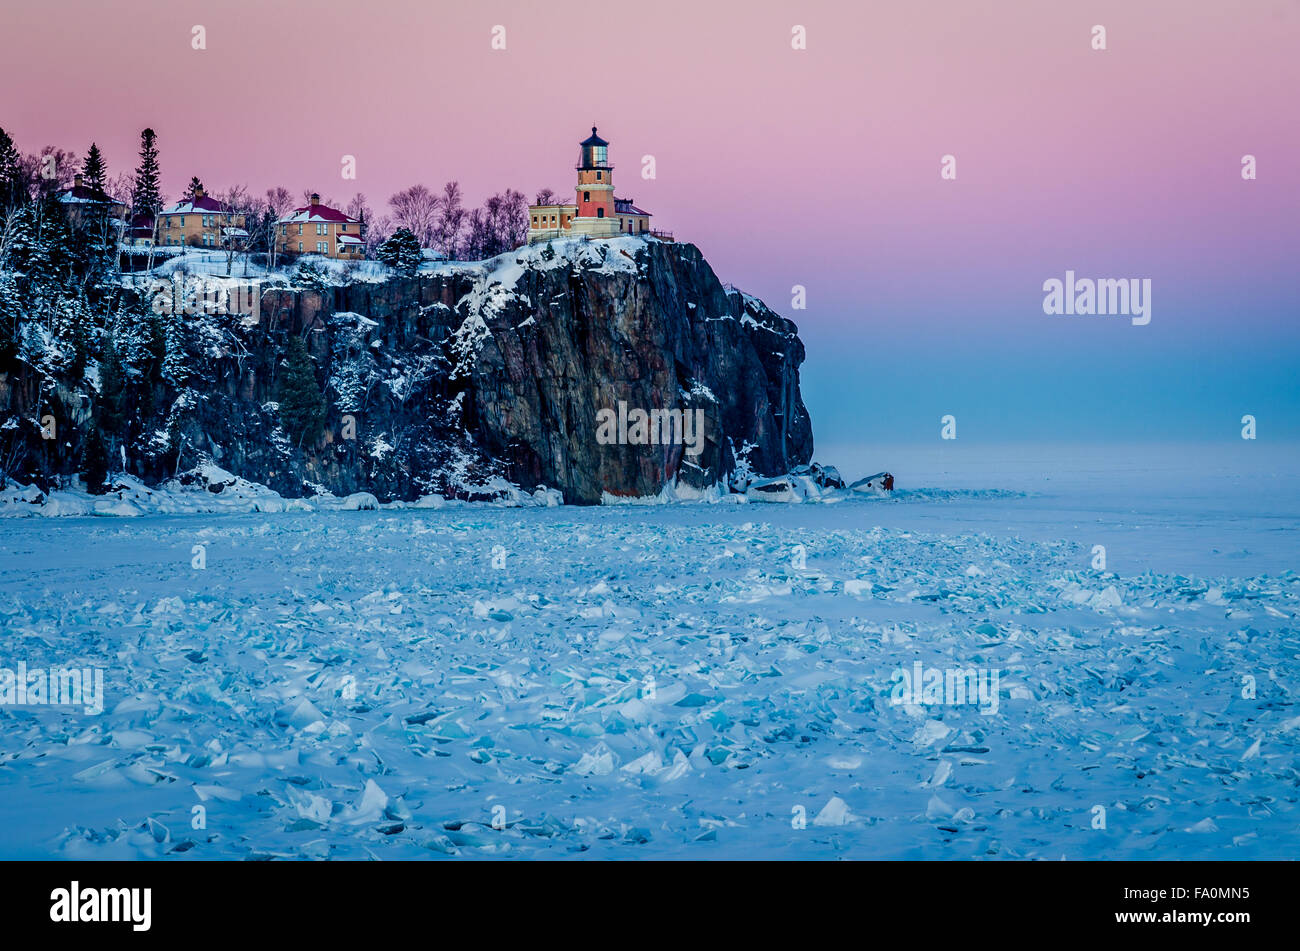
[688,681]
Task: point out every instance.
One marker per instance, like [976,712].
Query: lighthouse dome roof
[593,139]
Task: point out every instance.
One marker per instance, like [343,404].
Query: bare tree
[359,209]
[513,219]
[232,224]
[451,220]
[501,225]
[478,236]
[546,197]
[416,208]
[327,200]
[377,232]
[49,170]
[278,204]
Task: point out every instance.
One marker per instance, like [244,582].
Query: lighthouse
[595,190]
[596,212]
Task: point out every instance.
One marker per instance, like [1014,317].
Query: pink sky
[818,167]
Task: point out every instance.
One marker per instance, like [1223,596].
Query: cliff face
[447,380]
[645,325]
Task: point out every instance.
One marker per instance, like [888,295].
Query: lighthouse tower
[596,214]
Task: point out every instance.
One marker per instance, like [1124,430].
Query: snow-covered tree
[401,252]
[12,313]
[302,405]
[175,362]
[13,191]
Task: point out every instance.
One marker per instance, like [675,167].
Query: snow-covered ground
[694,680]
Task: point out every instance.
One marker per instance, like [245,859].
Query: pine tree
[302,405]
[196,186]
[22,240]
[41,245]
[175,364]
[60,254]
[74,329]
[112,391]
[93,171]
[146,199]
[401,252]
[94,462]
[12,190]
[11,315]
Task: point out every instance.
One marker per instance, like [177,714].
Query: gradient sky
[817,167]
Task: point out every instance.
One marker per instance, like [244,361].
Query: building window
[598,174]
[600,212]
[300,232]
[299,245]
[182,222]
[586,196]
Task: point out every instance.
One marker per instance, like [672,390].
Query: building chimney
[315,199]
[77,179]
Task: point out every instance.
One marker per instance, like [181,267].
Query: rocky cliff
[461,376]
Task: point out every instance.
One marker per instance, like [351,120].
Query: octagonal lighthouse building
[596,212]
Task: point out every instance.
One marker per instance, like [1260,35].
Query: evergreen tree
[94,462]
[60,255]
[112,391]
[93,172]
[73,330]
[310,275]
[42,247]
[175,366]
[195,186]
[146,198]
[302,405]
[11,315]
[401,252]
[13,191]
[95,235]
[23,243]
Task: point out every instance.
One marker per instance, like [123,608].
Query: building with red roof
[320,229]
[596,212]
[199,221]
[81,200]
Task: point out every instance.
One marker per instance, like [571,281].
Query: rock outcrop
[462,377]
